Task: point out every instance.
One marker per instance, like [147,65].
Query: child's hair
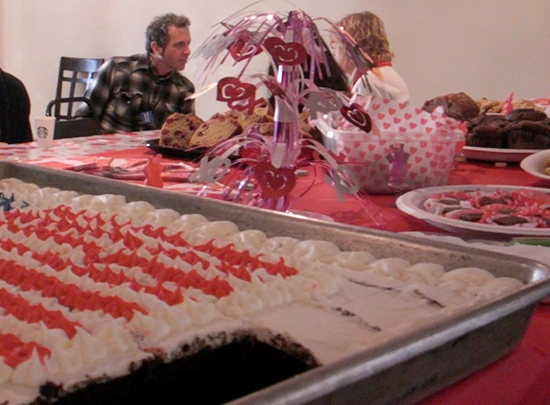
[367,29]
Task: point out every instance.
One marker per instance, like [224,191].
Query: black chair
[75,77]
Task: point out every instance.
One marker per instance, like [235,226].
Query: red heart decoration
[408,116]
[412,125]
[392,111]
[402,106]
[232,89]
[381,116]
[274,182]
[423,121]
[387,125]
[372,147]
[285,53]
[397,120]
[429,130]
[341,157]
[413,150]
[357,116]
[243,48]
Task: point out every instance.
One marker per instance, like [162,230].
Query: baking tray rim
[437,334]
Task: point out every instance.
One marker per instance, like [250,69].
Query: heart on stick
[357,116]
[285,53]
[274,182]
[232,89]
[244,48]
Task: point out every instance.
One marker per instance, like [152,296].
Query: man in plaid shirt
[139,92]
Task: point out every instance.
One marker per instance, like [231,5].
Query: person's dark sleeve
[15,109]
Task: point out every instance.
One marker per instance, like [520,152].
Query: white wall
[486,48]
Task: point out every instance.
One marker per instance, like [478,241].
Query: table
[522,377]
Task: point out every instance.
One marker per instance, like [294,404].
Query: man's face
[174,56]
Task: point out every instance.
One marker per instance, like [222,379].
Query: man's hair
[368,31]
[157,31]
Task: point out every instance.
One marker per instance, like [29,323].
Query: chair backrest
[75,76]
[76,127]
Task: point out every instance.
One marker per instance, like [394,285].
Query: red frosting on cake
[14,351]
[67,227]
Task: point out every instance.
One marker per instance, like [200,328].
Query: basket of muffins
[525,127]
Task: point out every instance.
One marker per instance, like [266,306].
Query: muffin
[525,114]
[528,135]
[486,136]
[485,119]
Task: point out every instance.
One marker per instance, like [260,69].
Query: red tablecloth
[523,377]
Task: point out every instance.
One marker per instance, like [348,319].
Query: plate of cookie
[492,210]
[171,151]
[538,164]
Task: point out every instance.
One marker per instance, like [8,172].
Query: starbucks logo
[42,132]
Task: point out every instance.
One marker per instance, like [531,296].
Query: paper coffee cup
[44,128]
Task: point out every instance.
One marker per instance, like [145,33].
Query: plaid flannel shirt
[126,87]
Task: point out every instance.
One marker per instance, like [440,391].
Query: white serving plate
[497,154]
[412,203]
[536,163]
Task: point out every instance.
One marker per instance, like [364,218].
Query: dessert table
[522,377]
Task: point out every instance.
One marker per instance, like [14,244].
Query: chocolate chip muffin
[486,136]
[456,105]
[488,119]
[525,114]
[528,135]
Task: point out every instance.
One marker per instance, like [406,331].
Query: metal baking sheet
[403,370]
